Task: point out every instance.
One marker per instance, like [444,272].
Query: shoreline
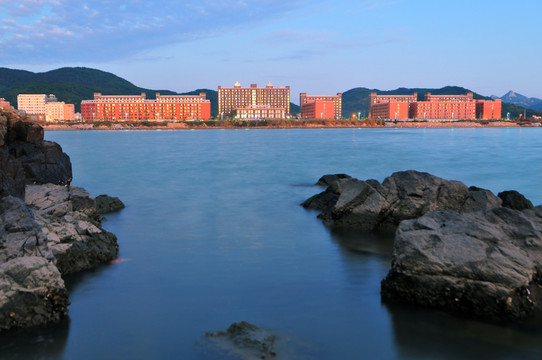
[329,124]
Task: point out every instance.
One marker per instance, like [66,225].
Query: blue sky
[318,47]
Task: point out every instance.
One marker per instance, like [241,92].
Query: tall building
[336,99]
[237,97]
[259,112]
[318,109]
[43,107]
[137,107]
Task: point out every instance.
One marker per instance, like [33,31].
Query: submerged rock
[106,204]
[247,340]
[486,263]
[369,205]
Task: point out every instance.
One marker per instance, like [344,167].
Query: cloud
[101,30]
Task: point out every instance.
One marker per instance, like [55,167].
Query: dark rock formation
[247,340]
[57,230]
[11,175]
[74,234]
[327,180]
[369,205]
[107,204]
[32,291]
[515,200]
[486,263]
[43,162]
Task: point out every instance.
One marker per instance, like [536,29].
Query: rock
[11,175]
[43,162]
[247,340]
[106,204]
[486,263]
[32,293]
[13,127]
[514,200]
[73,229]
[327,180]
[369,205]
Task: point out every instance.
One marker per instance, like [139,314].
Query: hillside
[515,98]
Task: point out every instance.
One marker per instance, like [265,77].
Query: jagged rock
[31,289]
[247,340]
[13,127]
[327,180]
[11,175]
[369,205]
[515,200]
[486,263]
[73,229]
[43,162]
[106,204]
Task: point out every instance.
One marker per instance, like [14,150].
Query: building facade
[434,107]
[238,97]
[259,112]
[41,107]
[488,110]
[138,107]
[4,104]
[318,109]
[336,99]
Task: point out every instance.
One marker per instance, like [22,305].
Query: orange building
[4,104]
[238,97]
[391,109]
[336,99]
[376,110]
[318,109]
[137,107]
[489,110]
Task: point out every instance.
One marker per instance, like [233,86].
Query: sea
[213,234]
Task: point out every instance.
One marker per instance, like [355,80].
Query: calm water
[213,234]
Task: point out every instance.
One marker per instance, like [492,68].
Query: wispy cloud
[101,30]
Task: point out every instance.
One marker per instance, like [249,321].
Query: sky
[317,47]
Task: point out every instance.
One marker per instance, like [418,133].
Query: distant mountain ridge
[512,97]
[73,84]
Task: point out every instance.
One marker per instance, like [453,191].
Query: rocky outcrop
[246,340]
[486,263]
[514,200]
[106,204]
[369,205]
[32,291]
[68,218]
[43,162]
[56,232]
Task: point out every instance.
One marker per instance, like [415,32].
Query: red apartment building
[319,109]
[238,97]
[435,107]
[335,99]
[137,107]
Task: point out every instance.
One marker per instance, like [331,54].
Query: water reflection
[425,333]
[364,242]
[39,343]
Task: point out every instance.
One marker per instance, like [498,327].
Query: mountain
[357,100]
[512,97]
